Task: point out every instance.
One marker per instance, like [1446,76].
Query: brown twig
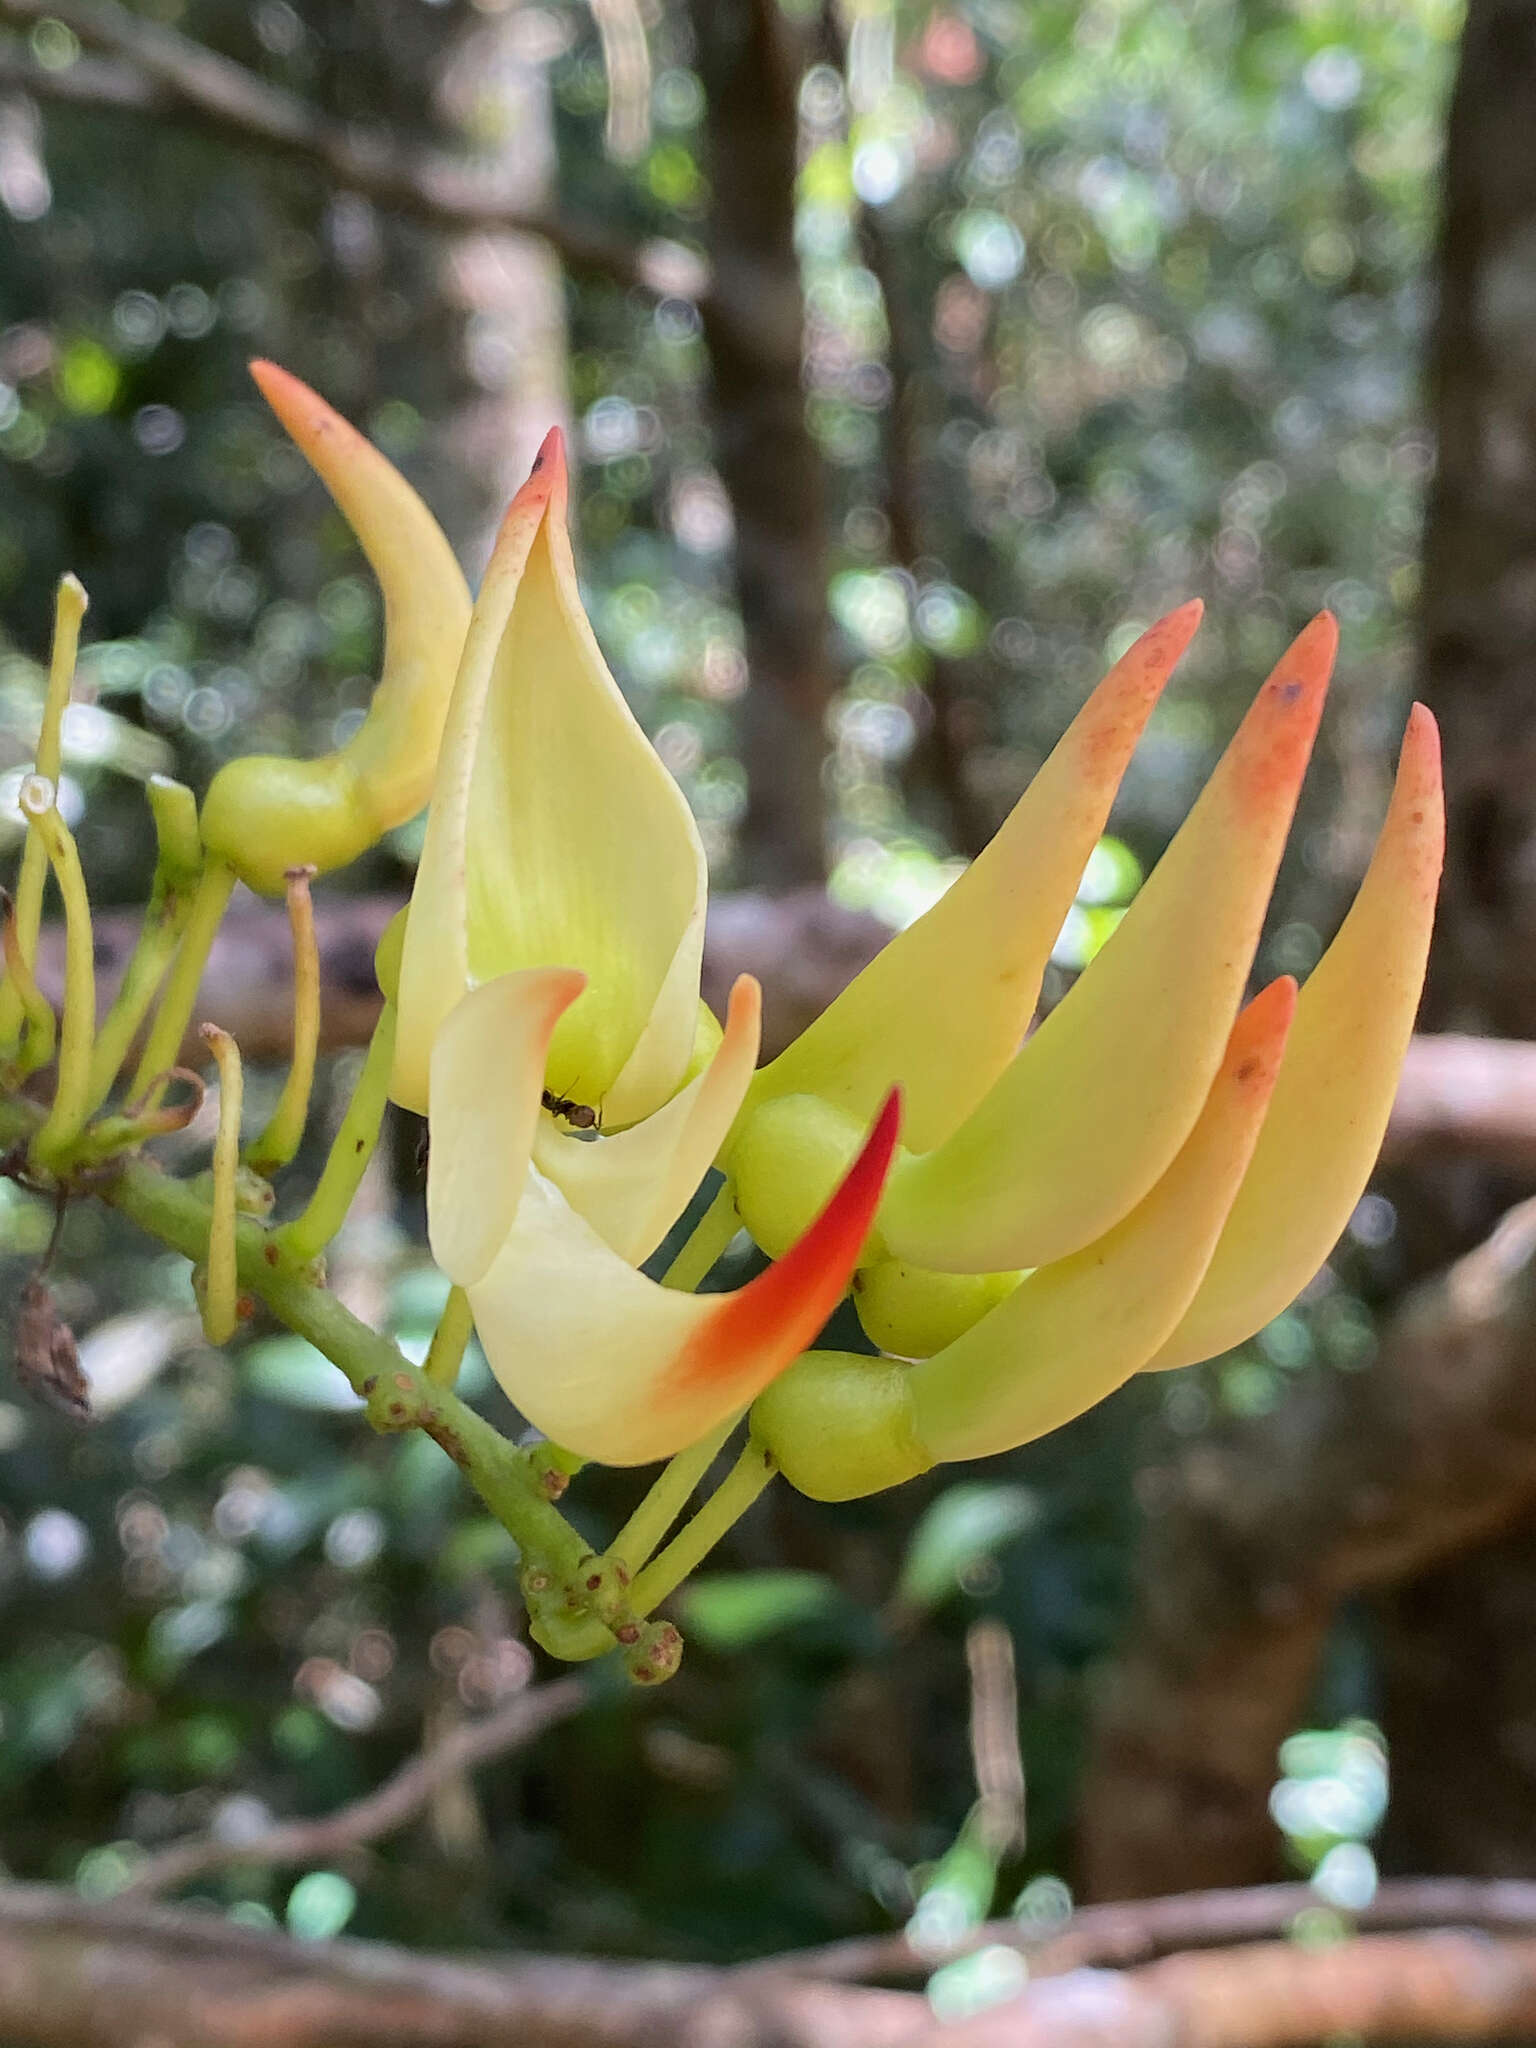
[161,73]
[1137,1931]
[77,1975]
[380,1812]
[74,1975]
[996,1759]
[1424,1987]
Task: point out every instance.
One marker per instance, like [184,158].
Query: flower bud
[788,1156]
[264,814]
[913,1311]
[840,1425]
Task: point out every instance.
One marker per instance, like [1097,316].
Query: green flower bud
[915,1312]
[790,1155]
[840,1425]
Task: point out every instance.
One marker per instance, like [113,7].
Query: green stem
[42,1026]
[707,1241]
[673,1489]
[221,1293]
[452,1334]
[280,1140]
[77,1031]
[720,1513]
[308,1234]
[209,904]
[511,1482]
[69,610]
[170,902]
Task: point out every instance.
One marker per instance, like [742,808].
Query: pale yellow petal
[633,1187]
[555,834]
[942,1009]
[616,1367]
[1072,1332]
[1094,1108]
[487,1079]
[324,813]
[1334,1095]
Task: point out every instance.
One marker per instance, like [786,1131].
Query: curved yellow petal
[1095,1106]
[1072,1332]
[632,1188]
[942,1008]
[487,1079]
[617,1368]
[265,815]
[555,835]
[1331,1103]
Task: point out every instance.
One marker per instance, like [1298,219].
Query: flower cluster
[1024,1218]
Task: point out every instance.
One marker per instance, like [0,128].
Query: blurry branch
[80,1976]
[1476,1095]
[1255,1534]
[1469,1096]
[76,1975]
[1389,1988]
[1135,1931]
[996,1759]
[158,72]
[379,1812]
[627,62]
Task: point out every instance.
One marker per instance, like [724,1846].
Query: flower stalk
[747,1478]
[280,1140]
[177,867]
[77,1030]
[353,1146]
[450,1339]
[69,610]
[221,1301]
[209,902]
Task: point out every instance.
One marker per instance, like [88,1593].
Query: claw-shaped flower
[264,814]
[550,1025]
[1128,1153]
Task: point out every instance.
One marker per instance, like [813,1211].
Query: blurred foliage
[1127,298]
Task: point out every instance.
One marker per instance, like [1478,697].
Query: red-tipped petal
[941,1010]
[618,1368]
[775,1316]
[1094,1108]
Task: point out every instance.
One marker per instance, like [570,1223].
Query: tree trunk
[1459,1671]
[753,323]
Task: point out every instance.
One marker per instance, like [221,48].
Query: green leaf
[964,1525]
[733,1610]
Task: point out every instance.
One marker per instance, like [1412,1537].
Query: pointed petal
[1097,1103]
[991,934]
[555,834]
[632,1188]
[264,814]
[487,1078]
[426,600]
[1074,1331]
[618,1368]
[1331,1104]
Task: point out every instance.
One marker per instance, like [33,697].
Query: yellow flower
[1123,1156]
[550,1025]
[263,814]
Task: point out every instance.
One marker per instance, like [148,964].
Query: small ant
[581,1116]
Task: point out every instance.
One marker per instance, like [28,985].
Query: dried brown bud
[47,1360]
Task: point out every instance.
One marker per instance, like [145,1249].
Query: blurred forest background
[915,356]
